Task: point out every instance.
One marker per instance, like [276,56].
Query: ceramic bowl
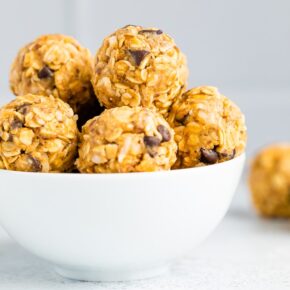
[112,227]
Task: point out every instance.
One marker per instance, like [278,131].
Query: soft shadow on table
[258,223]
[20,270]
[17,267]
[217,260]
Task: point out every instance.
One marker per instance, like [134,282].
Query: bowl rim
[127,174]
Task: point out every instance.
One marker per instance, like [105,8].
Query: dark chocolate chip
[233,154]
[152,153]
[228,156]
[10,138]
[35,163]
[45,73]
[138,55]
[23,109]
[208,156]
[166,136]
[16,123]
[151,141]
[150,31]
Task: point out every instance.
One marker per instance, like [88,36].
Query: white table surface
[245,252]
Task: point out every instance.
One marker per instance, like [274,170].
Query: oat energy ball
[54,65]
[126,139]
[37,133]
[209,128]
[138,66]
[269,181]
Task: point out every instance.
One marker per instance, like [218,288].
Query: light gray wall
[241,46]
[227,42]
[22,21]
[233,42]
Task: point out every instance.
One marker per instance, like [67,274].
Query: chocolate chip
[10,138]
[16,123]
[151,141]
[208,156]
[23,109]
[233,154]
[166,136]
[138,55]
[35,163]
[150,31]
[151,144]
[228,156]
[152,153]
[45,73]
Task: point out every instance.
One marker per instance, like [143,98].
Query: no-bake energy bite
[37,133]
[269,181]
[55,65]
[126,139]
[209,128]
[138,66]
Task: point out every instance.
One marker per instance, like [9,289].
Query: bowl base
[110,276]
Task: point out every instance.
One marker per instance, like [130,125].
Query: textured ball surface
[138,66]
[54,65]
[269,181]
[209,128]
[126,139]
[39,134]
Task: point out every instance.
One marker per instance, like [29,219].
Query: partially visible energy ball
[126,139]
[38,134]
[209,128]
[269,181]
[138,66]
[55,65]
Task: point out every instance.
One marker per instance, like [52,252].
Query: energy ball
[39,134]
[138,66]
[209,128]
[269,181]
[55,65]
[126,139]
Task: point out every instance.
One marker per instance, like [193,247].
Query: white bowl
[109,227]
